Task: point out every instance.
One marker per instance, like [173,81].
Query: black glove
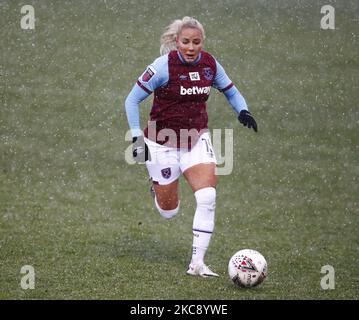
[140,151]
[247,120]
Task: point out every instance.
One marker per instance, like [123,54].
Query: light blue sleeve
[236,100]
[221,81]
[155,76]
[225,85]
[132,106]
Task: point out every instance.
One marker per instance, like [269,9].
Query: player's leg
[203,180]
[201,176]
[164,172]
[199,168]
[166,198]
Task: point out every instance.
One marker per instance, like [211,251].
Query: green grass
[74,209]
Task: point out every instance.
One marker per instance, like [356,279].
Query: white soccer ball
[247,268]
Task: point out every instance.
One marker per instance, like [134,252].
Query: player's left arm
[234,97]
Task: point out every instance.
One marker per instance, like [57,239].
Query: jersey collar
[192,63]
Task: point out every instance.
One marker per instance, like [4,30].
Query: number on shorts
[208,146]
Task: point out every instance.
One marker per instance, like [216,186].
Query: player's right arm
[132,105]
[152,78]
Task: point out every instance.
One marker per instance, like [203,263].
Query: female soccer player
[176,140]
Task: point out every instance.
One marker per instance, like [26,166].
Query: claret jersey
[180,94]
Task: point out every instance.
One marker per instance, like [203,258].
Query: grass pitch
[75,210]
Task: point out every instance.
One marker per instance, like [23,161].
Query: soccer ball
[247,268]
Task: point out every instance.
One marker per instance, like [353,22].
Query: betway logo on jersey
[195,90]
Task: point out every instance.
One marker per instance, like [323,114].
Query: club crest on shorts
[166,173]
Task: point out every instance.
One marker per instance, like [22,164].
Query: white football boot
[201,270]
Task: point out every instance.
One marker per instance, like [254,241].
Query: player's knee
[205,211]
[166,211]
[206,197]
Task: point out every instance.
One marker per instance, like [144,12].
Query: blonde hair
[169,37]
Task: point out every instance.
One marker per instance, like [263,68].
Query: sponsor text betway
[195,90]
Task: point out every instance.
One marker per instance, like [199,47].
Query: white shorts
[167,163]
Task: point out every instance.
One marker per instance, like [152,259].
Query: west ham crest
[166,173]
[208,74]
